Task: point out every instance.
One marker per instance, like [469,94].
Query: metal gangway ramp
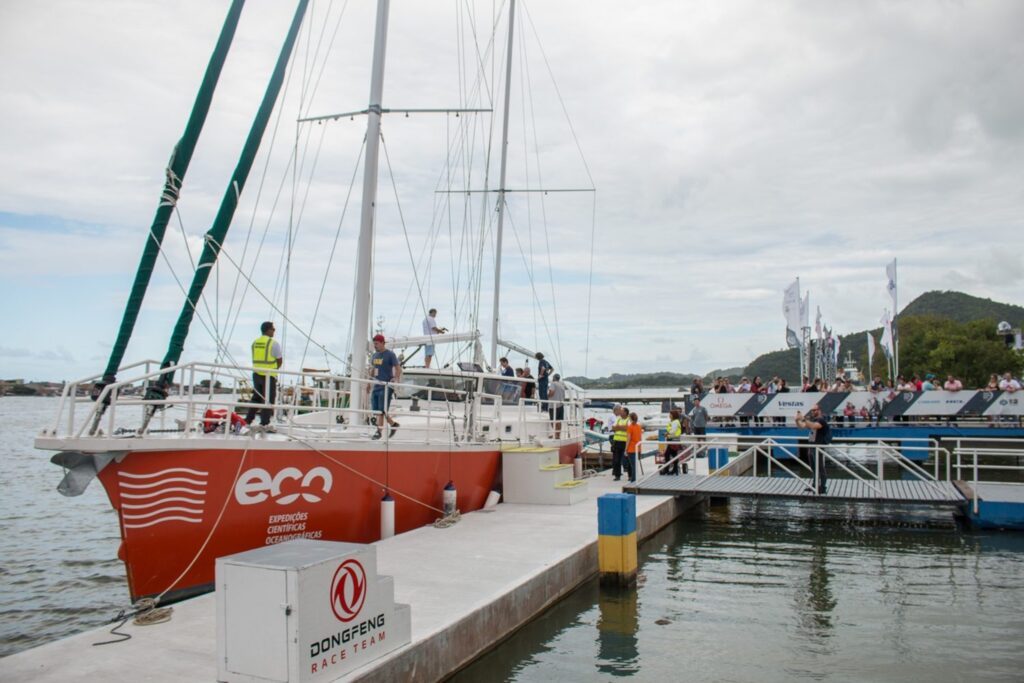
[783,474]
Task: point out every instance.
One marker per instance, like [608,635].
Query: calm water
[59,572]
[783,591]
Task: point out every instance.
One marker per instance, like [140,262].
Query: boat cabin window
[509,391]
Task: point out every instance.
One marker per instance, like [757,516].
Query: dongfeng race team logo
[348,590]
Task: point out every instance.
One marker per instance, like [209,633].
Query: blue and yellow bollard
[616,539]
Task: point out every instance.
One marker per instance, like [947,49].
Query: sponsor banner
[939,403]
[978,402]
[787,405]
[889,404]
[1006,403]
[724,405]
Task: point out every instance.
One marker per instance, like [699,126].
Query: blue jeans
[380,398]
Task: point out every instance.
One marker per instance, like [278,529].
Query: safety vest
[622,435]
[263,356]
[674,431]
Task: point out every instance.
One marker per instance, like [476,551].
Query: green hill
[939,332]
[963,308]
[650,379]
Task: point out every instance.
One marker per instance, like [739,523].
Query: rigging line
[524,92]
[263,178]
[216,524]
[529,273]
[297,171]
[590,281]
[170,267]
[216,340]
[256,204]
[543,208]
[224,254]
[558,92]
[192,265]
[401,219]
[309,187]
[327,52]
[334,245]
[362,475]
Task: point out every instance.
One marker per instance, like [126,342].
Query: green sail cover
[181,156]
[215,236]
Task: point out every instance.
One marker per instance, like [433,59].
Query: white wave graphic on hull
[172,470]
[156,494]
[154,500]
[162,520]
[163,501]
[170,508]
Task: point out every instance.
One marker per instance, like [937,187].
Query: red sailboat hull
[179,510]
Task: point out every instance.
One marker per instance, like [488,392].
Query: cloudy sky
[733,147]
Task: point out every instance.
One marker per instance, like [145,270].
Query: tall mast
[501,186]
[364,251]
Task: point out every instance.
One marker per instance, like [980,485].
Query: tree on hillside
[971,351]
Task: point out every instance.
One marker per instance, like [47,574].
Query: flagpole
[799,308]
[895,317]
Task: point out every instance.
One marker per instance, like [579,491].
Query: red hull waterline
[180,510]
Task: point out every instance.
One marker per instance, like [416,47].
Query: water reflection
[617,632]
[778,591]
[814,599]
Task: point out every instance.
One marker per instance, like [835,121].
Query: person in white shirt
[430,328]
[1009,383]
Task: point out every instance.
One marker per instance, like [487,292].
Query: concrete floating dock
[469,585]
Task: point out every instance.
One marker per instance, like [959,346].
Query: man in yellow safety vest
[266,357]
[619,438]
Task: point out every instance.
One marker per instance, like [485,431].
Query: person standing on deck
[385,368]
[620,437]
[699,418]
[556,409]
[506,369]
[544,370]
[266,357]
[636,435]
[430,328]
[821,436]
[673,435]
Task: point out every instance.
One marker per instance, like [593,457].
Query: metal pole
[364,250]
[895,315]
[501,186]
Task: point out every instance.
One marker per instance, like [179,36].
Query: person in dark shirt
[821,436]
[544,372]
[385,368]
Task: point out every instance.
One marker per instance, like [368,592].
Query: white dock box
[304,611]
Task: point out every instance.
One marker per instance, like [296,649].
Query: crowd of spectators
[929,382]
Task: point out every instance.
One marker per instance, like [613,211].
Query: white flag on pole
[817,324]
[890,273]
[838,342]
[886,341]
[791,311]
[871,347]
[805,311]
